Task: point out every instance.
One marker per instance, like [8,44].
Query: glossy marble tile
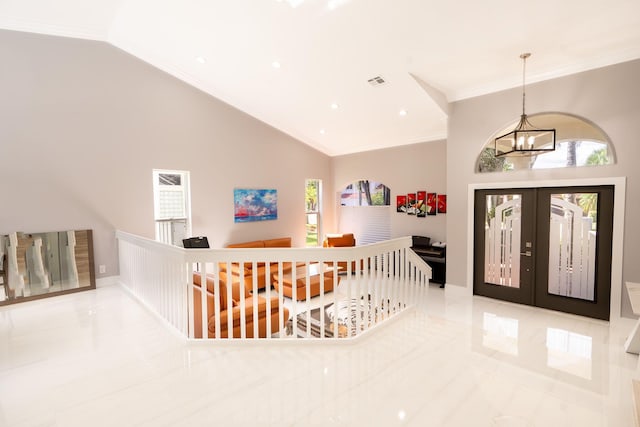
[99,358]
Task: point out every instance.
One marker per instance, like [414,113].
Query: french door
[548,247]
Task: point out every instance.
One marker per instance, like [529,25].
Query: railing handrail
[383,276]
[319,254]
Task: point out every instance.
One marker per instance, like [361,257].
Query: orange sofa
[238,292]
[262,270]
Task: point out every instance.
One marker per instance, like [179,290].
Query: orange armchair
[238,292]
[340,240]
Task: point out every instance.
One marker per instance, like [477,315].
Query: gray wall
[84,124]
[404,169]
[609,97]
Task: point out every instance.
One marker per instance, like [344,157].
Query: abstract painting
[401,203]
[421,204]
[411,203]
[442,203]
[254,205]
[431,204]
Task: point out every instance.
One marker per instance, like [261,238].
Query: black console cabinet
[436,257]
[438,267]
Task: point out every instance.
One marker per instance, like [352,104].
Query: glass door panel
[573,230]
[502,237]
[574,238]
[503,244]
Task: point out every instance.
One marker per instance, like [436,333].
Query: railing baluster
[243,316]
[322,271]
[294,299]
[203,301]
[254,297]
[267,281]
[281,318]
[217,302]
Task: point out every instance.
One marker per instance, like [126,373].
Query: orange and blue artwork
[255,205]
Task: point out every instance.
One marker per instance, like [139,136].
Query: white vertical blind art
[572,250]
[502,241]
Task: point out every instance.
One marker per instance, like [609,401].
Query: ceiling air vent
[376,81]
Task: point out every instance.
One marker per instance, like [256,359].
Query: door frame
[619,184]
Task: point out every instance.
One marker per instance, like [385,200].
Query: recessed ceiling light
[275,64]
[201,59]
[334,106]
[322,132]
[402,113]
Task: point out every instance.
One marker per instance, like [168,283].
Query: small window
[171,206]
[578,143]
[313,191]
[169,179]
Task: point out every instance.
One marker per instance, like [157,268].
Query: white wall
[84,124]
[404,169]
[609,97]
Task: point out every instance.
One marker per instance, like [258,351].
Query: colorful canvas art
[442,203]
[431,203]
[411,203]
[401,203]
[255,205]
[421,203]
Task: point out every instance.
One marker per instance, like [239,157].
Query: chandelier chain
[524,57]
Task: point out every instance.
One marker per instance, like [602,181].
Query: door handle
[527,253]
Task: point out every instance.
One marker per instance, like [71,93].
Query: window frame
[185,188]
[317,212]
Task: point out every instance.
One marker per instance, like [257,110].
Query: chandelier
[525,139]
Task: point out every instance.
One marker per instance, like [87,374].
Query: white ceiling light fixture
[201,59]
[334,106]
[322,132]
[402,113]
[525,140]
[276,64]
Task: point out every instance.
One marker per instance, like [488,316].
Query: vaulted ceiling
[303,66]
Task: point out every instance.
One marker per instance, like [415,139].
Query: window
[172,211]
[578,143]
[313,190]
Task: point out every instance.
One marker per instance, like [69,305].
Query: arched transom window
[579,142]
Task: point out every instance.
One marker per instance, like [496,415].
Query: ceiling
[428,52]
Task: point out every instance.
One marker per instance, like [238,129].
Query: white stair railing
[335,292]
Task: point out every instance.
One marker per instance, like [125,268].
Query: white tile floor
[98,358]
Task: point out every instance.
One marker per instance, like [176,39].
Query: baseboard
[635,386]
[107,281]
[455,290]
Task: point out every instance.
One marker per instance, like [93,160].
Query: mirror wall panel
[37,265]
